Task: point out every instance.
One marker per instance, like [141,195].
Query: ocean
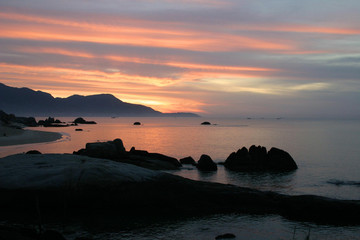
[327,153]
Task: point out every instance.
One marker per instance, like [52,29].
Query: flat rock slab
[88,185]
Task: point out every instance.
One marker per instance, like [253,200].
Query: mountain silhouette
[25,101]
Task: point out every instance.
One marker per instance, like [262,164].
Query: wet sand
[11,136]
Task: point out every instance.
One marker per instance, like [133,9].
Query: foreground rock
[115,150]
[258,159]
[58,185]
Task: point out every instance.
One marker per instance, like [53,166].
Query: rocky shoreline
[104,180]
[115,191]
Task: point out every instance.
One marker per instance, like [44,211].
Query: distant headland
[25,101]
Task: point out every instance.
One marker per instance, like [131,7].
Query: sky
[234,58]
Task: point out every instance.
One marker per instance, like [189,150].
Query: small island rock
[205,123]
[80,120]
[33,152]
[137,123]
[226,236]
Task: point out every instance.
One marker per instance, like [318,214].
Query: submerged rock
[258,159]
[205,163]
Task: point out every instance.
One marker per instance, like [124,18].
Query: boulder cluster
[257,158]
[51,122]
[9,119]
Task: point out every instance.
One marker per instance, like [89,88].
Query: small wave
[344,183]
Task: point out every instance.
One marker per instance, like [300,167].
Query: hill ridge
[25,101]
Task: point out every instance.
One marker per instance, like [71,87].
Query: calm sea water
[327,153]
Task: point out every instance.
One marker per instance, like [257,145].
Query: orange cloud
[57,51]
[45,28]
[189,65]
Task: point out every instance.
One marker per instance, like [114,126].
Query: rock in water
[280,160]
[115,150]
[33,152]
[258,159]
[205,163]
[188,160]
[80,120]
[109,150]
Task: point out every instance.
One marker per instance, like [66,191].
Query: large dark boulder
[108,150]
[205,163]
[115,150]
[280,160]
[258,159]
[239,160]
[154,161]
[188,160]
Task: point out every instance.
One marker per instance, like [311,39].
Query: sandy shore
[11,136]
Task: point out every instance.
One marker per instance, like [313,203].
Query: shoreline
[11,136]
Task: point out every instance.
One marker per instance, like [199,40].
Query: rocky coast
[105,181]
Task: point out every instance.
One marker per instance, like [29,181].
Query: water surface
[327,153]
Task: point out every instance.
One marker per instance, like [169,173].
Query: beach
[12,136]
